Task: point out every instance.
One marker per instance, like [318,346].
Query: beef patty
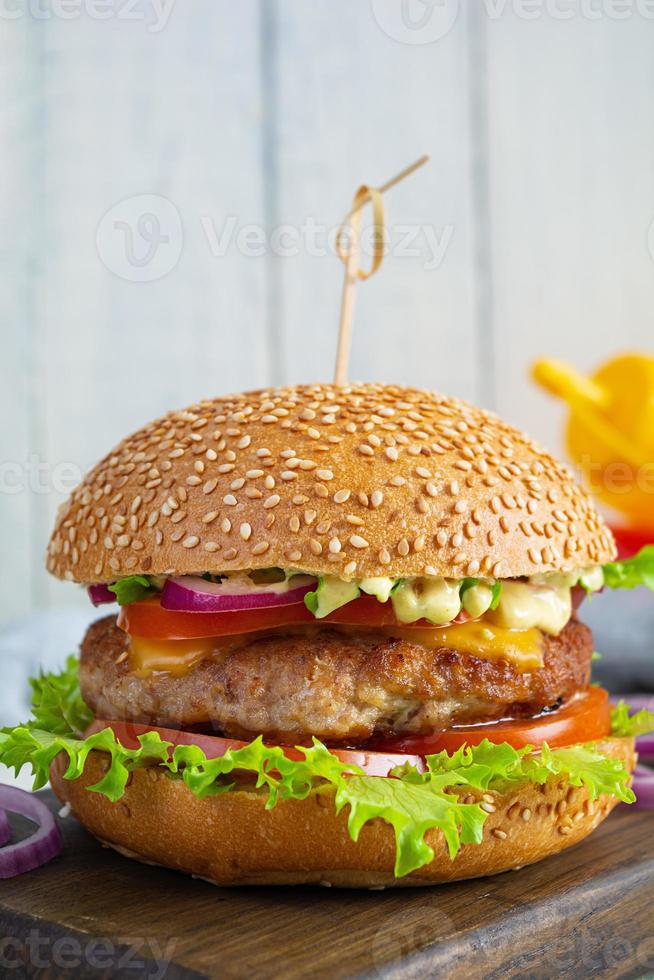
[338,686]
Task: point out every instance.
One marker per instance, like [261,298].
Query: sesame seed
[366,450]
[488,807]
[324,474]
[191,541]
[230,554]
[211,546]
[210,486]
[391,453]
[230,500]
[245,531]
[271,501]
[376,498]
[288,475]
[260,548]
[358,542]
[341,496]
[225,525]
[335,546]
[403,547]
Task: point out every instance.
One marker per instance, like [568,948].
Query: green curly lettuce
[491,766]
[631,572]
[624,724]
[413,802]
[132,588]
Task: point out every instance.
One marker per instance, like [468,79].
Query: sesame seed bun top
[358,481]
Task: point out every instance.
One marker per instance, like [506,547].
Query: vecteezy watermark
[146,957]
[415,21]
[38,476]
[419,241]
[140,238]
[153,13]
[427,21]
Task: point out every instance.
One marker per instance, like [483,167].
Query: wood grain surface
[584,913]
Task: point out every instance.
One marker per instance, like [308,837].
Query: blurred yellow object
[610,430]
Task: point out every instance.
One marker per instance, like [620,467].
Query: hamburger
[348,647]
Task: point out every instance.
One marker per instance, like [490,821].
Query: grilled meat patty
[338,686]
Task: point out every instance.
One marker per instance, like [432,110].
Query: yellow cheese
[174,656]
[523,649]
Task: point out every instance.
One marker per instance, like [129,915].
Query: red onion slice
[645,747]
[191,594]
[643,786]
[638,701]
[5,829]
[99,594]
[44,844]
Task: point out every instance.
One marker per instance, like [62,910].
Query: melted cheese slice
[523,649]
[173,656]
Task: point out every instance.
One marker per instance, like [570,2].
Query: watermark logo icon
[140,239]
[415,21]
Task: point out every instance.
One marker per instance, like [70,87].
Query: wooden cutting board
[92,913]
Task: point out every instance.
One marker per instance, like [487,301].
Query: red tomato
[372,763]
[585,718]
[148,618]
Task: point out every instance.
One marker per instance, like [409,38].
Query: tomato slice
[372,763]
[584,718]
[148,618]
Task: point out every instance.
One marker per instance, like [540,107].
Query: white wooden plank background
[268,113]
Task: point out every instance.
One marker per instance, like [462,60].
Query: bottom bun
[231,839]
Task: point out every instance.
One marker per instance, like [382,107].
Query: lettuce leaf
[624,724]
[411,809]
[57,705]
[631,572]
[131,589]
[412,802]
[490,766]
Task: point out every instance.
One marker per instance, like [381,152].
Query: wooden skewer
[347,300]
[425,158]
[350,257]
